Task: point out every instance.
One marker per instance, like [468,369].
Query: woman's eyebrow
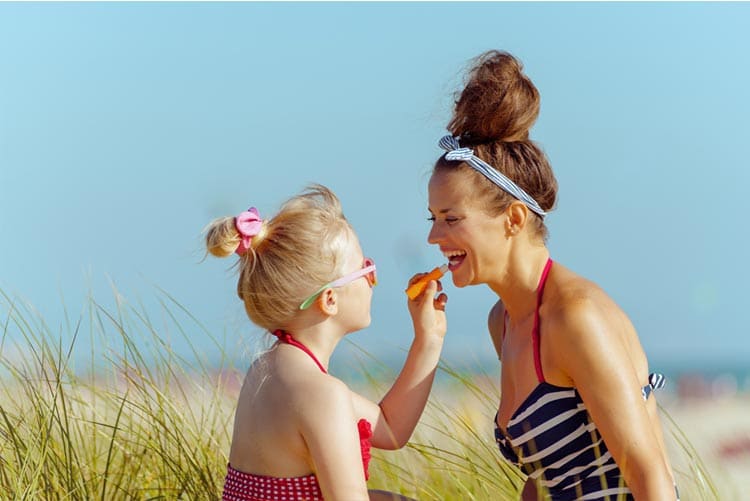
[441,211]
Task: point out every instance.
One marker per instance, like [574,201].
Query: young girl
[577,413]
[300,433]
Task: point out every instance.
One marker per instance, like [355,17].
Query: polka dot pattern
[241,486]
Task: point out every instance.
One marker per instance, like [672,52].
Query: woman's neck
[517,283]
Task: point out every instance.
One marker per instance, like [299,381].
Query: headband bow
[456,153]
[248,225]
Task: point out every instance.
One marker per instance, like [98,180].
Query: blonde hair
[296,252]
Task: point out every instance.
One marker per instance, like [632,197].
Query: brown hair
[297,251]
[493,116]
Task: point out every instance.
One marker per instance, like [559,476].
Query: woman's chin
[459,281]
[459,277]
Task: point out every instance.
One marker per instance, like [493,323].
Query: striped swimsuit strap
[655,381]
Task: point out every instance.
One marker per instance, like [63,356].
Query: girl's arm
[591,351]
[395,418]
[329,428]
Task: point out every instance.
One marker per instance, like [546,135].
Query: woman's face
[469,238]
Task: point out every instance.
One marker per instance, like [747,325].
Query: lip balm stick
[417,287]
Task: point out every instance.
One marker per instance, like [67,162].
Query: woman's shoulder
[578,307]
[575,295]
[589,333]
[496,326]
[497,314]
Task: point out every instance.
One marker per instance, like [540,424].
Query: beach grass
[133,419]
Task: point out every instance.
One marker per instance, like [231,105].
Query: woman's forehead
[448,190]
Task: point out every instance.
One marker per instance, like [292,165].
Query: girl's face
[355,296]
[469,238]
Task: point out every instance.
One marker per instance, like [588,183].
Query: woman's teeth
[455,257]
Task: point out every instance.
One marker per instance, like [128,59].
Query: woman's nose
[433,237]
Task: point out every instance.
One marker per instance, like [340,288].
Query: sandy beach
[718,427]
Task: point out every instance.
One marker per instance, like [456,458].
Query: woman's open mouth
[455,258]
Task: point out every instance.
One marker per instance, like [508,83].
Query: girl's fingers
[416,278]
[440,302]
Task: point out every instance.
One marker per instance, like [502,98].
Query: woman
[300,433]
[576,414]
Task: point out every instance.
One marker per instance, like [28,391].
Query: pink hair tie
[248,224]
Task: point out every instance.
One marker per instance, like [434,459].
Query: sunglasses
[367,271]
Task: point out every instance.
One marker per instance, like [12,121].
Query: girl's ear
[327,302]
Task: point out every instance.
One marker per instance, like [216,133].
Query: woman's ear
[327,302]
[518,216]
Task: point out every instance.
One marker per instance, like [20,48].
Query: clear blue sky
[125,128]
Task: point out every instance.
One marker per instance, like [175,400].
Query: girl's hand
[395,418]
[428,311]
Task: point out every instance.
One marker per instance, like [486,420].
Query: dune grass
[133,419]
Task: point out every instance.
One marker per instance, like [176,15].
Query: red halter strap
[287,338]
[535,330]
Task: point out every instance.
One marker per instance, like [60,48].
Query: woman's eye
[448,220]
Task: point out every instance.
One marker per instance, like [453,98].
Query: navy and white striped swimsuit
[552,438]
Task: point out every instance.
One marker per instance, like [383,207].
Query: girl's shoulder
[321,403]
[318,391]
[295,381]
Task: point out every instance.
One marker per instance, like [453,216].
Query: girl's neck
[318,338]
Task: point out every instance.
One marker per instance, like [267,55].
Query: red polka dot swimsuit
[241,486]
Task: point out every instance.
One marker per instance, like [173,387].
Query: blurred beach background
[126,127]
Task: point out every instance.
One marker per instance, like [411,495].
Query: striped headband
[455,152]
